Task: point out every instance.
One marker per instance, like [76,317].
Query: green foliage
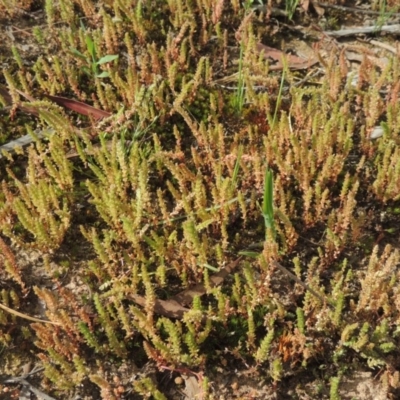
[334,391]
[42,204]
[265,346]
[93,61]
[147,389]
[291,6]
[300,320]
[107,322]
[239,97]
[152,206]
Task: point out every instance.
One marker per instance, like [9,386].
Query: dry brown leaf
[318,9]
[5,94]
[193,389]
[79,107]
[167,308]
[293,61]
[305,4]
[74,105]
[173,308]
[186,297]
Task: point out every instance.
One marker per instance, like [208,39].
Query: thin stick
[364,29]
[355,9]
[18,314]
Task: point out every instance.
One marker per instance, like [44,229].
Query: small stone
[178,380]
[376,133]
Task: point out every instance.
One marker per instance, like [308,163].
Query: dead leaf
[186,297]
[79,107]
[74,105]
[318,9]
[167,308]
[305,4]
[193,389]
[293,61]
[173,308]
[5,94]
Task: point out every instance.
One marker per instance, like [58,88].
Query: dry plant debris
[199,199]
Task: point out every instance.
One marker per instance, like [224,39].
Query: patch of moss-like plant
[186,179]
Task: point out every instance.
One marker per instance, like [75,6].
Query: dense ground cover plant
[187,179]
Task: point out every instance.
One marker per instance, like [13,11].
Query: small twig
[235,88]
[384,46]
[354,9]
[31,388]
[310,75]
[21,380]
[21,30]
[24,141]
[367,29]
[18,314]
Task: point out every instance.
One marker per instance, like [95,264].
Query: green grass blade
[236,169]
[268,207]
